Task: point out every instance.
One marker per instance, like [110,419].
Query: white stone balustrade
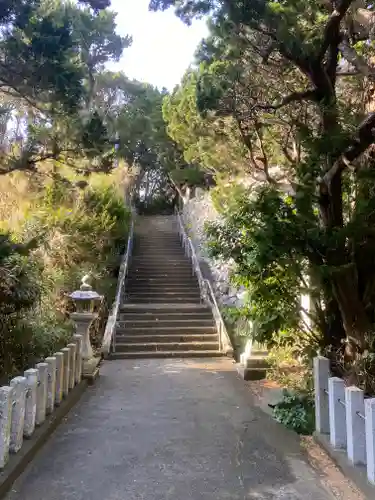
[72,364]
[31,376]
[59,377]
[6,399]
[66,353]
[28,399]
[41,393]
[345,416]
[19,385]
[51,384]
[78,340]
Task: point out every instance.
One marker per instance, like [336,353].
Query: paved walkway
[169,429]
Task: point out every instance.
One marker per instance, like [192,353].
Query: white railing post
[59,377]
[31,376]
[355,425]
[66,353]
[51,383]
[18,413]
[6,397]
[337,413]
[321,376]
[41,393]
[78,373]
[72,364]
[370,438]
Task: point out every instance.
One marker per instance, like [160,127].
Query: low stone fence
[26,402]
[345,416]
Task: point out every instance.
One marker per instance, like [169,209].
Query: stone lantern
[85,300]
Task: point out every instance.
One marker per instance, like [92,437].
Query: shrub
[296,412]
[66,234]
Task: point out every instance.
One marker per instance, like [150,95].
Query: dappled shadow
[163,429]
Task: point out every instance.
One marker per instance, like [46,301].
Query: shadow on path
[169,429]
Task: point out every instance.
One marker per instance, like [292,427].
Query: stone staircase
[162,314]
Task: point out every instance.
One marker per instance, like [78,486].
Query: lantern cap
[85,291]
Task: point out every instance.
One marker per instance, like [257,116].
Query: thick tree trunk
[342,266]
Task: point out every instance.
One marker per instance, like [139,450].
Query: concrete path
[169,429]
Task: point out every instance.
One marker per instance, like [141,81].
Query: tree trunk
[339,259]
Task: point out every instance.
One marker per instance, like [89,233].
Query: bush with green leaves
[296,412]
[68,234]
[255,232]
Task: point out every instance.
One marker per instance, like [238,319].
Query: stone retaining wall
[198,209]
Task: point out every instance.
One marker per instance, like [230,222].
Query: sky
[163,47]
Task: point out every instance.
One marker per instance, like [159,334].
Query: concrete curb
[18,463]
[357,474]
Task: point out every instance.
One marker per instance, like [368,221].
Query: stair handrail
[109,338]
[207,292]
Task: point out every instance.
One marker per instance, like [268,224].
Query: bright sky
[163,47]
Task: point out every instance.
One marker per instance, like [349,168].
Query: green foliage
[296,412]
[18,277]
[192,176]
[72,233]
[273,72]
[210,142]
[238,327]
[256,233]
[52,54]
[290,364]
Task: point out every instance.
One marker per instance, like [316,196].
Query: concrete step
[164,316]
[161,259]
[174,287]
[143,247]
[160,308]
[163,300]
[166,272]
[164,323]
[168,295]
[252,373]
[163,338]
[164,327]
[162,264]
[166,354]
[161,280]
[131,292]
[166,346]
[168,299]
[186,266]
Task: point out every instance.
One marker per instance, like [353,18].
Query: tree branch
[333,27]
[364,139]
[308,95]
[356,60]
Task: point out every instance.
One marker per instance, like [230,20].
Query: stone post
[72,364]
[78,374]
[370,438]
[31,376]
[51,385]
[41,393]
[66,353]
[337,413]
[247,352]
[89,362]
[355,425]
[85,299]
[321,376]
[59,377]
[18,413]
[83,322]
[6,398]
